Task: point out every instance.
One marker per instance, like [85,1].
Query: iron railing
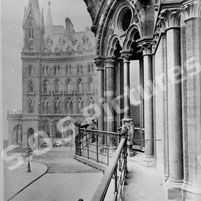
[95,145]
[110,149]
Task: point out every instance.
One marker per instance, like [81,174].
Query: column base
[191,192]
[173,188]
[149,161]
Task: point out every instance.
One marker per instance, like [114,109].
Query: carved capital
[192,9]
[110,62]
[170,18]
[99,61]
[126,55]
[146,45]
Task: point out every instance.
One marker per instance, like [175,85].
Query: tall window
[90,85]
[68,69]
[56,70]
[30,87]
[80,105]
[31,33]
[46,86]
[90,67]
[57,86]
[45,70]
[30,70]
[71,107]
[80,86]
[30,106]
[46,106]
[69,87]
[79,68]
[57,106]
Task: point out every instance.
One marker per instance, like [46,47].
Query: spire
[34,4]
[33,8]
[49,21]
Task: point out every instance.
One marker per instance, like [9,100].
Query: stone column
[192,100]
[100,68]
[148,98]
[109,93]
[171,19]
[126,62]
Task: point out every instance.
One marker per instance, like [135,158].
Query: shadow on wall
[135,114]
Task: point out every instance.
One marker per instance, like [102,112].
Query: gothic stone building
[58,75]
[164,37]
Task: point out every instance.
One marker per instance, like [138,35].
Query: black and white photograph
[100,100]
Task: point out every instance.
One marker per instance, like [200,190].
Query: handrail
[101,191]
[117,167]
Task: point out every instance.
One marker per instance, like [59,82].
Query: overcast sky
[12,38]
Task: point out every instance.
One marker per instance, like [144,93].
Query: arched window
[90,85]
[45,70]
[57,86]
[91,102]
[90,67]
[30,106]
[30,86]
[30,70]
[46,86]
[69,87]
[71,107]
[46,106]
[79,68]
[31,33]
[57,106]
[56,70]
[80,105]
[80,86]
[17,134]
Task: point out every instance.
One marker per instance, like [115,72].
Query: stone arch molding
[109,31]
[132,35]
[112,45]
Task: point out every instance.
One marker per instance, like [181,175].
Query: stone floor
[144,184]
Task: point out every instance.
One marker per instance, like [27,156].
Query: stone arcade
[165,37]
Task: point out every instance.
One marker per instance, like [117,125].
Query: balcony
[124,178]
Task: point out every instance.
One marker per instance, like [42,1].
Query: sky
[12,12]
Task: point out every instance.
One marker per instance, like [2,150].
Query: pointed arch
[30,86]
[46,87]
[90,84]
[80,86]
[132,35]
[113,46]
[30,105]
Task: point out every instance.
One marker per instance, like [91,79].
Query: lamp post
[28,154]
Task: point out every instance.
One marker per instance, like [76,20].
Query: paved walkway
[61,187]
[18,179]
[144,184]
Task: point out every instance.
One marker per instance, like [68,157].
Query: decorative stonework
[126,55]
[192,9]
[93,7]
[99,61]
[110,62]
[168,18]
[146,45]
